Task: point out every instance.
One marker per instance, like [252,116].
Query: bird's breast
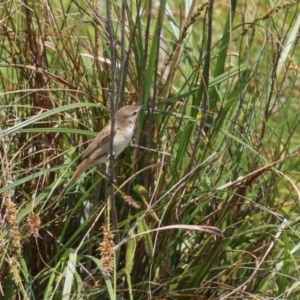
[122,138]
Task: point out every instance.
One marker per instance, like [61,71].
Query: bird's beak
[141,107]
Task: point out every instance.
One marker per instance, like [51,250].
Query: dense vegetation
[206,203]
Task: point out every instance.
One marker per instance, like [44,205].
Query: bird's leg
[108,177]
[111,156]
[111,180]
[103,172]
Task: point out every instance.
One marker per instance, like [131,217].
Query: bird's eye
[135,113]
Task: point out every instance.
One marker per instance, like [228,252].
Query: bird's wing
[99,146]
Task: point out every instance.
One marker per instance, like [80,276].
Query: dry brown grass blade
[203,228]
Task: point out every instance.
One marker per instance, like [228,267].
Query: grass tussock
[206,202]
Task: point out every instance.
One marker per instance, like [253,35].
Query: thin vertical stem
[205,103]
[113,105]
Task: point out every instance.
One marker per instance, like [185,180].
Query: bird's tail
[80,169]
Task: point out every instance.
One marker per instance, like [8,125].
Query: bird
[98,151]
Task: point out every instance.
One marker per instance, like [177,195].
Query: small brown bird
[99,149]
